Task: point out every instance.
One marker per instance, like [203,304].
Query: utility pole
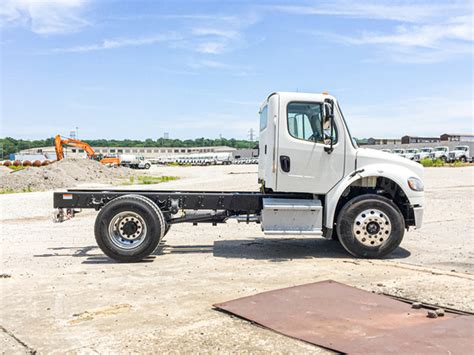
[77,132]
[251,134]
[251,137]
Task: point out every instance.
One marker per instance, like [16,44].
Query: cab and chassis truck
[315,181]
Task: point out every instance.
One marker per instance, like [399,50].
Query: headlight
[415,184]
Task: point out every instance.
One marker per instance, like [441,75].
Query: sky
[137,69]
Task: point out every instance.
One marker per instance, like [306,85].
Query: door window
[263,118]
[305,122]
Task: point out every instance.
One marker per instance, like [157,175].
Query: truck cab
[134,162]
[411,153]
[399,152]
[440,153]
[424,153]
[460,153]
[306,147]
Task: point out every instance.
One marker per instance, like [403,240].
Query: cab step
[292,216]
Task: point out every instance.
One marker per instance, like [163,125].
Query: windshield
[442,149]
[426,150]
[398,151]
[412,151]
[460,148]
[353,140]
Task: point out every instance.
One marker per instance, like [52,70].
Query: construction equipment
[314,180]
[59,142]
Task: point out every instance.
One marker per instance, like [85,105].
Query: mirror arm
[330,149]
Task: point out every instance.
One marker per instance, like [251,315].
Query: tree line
[9,145]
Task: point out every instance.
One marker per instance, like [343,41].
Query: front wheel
[370,226]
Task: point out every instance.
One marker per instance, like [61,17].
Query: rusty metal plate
[350,320]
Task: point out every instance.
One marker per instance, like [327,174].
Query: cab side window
[305,122]
[263,118]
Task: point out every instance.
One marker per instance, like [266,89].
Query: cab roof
[302,96]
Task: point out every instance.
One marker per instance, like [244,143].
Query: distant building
[412,139]
[457,137]
[383,141]
[147,152]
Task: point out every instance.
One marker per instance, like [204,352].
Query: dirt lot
[60,293]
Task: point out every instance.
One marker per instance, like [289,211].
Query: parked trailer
[314,181]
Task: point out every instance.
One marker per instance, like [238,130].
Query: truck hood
[367,156]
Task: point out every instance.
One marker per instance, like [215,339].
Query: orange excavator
[59,142]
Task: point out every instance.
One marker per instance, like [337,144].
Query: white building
[147,152]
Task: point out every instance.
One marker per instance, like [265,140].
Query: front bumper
[418,213]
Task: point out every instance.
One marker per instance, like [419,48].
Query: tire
[147,166]
[370,226]
[463,159]
[167,228]
[137,214]
[444,159]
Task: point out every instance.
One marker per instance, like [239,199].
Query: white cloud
[235,70]
[205,63]
[215,32]
[44,16]
[422,115]
[120,42]
[211,48]
[425,31]
[381,10]
[422,43]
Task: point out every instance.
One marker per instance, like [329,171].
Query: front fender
[396,173]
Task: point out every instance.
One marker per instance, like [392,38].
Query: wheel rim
[372,227]
[127,230]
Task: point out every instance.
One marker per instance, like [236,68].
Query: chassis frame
[219,205]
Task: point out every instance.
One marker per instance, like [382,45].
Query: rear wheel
[370,226]
[129,228]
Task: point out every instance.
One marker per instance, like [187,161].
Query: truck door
[303,163]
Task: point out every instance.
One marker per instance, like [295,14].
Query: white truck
[460,153]
[440,153]
[134,162]
[399,152]
[315,181]
[411,153]
[424,153]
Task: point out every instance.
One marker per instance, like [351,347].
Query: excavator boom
[59,142]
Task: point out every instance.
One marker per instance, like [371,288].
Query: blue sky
[137,69]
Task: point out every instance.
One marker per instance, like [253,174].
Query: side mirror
[328,125]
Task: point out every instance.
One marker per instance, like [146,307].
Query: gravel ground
[64,295]
[67,172]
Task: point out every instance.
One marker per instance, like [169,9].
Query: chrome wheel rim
[372,227]
[127,230]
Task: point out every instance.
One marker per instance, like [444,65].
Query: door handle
[285,163]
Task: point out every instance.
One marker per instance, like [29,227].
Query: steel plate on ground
[349,320]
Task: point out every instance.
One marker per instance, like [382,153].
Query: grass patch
[149,180]
[17,168]
[429,163]
[11,191]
